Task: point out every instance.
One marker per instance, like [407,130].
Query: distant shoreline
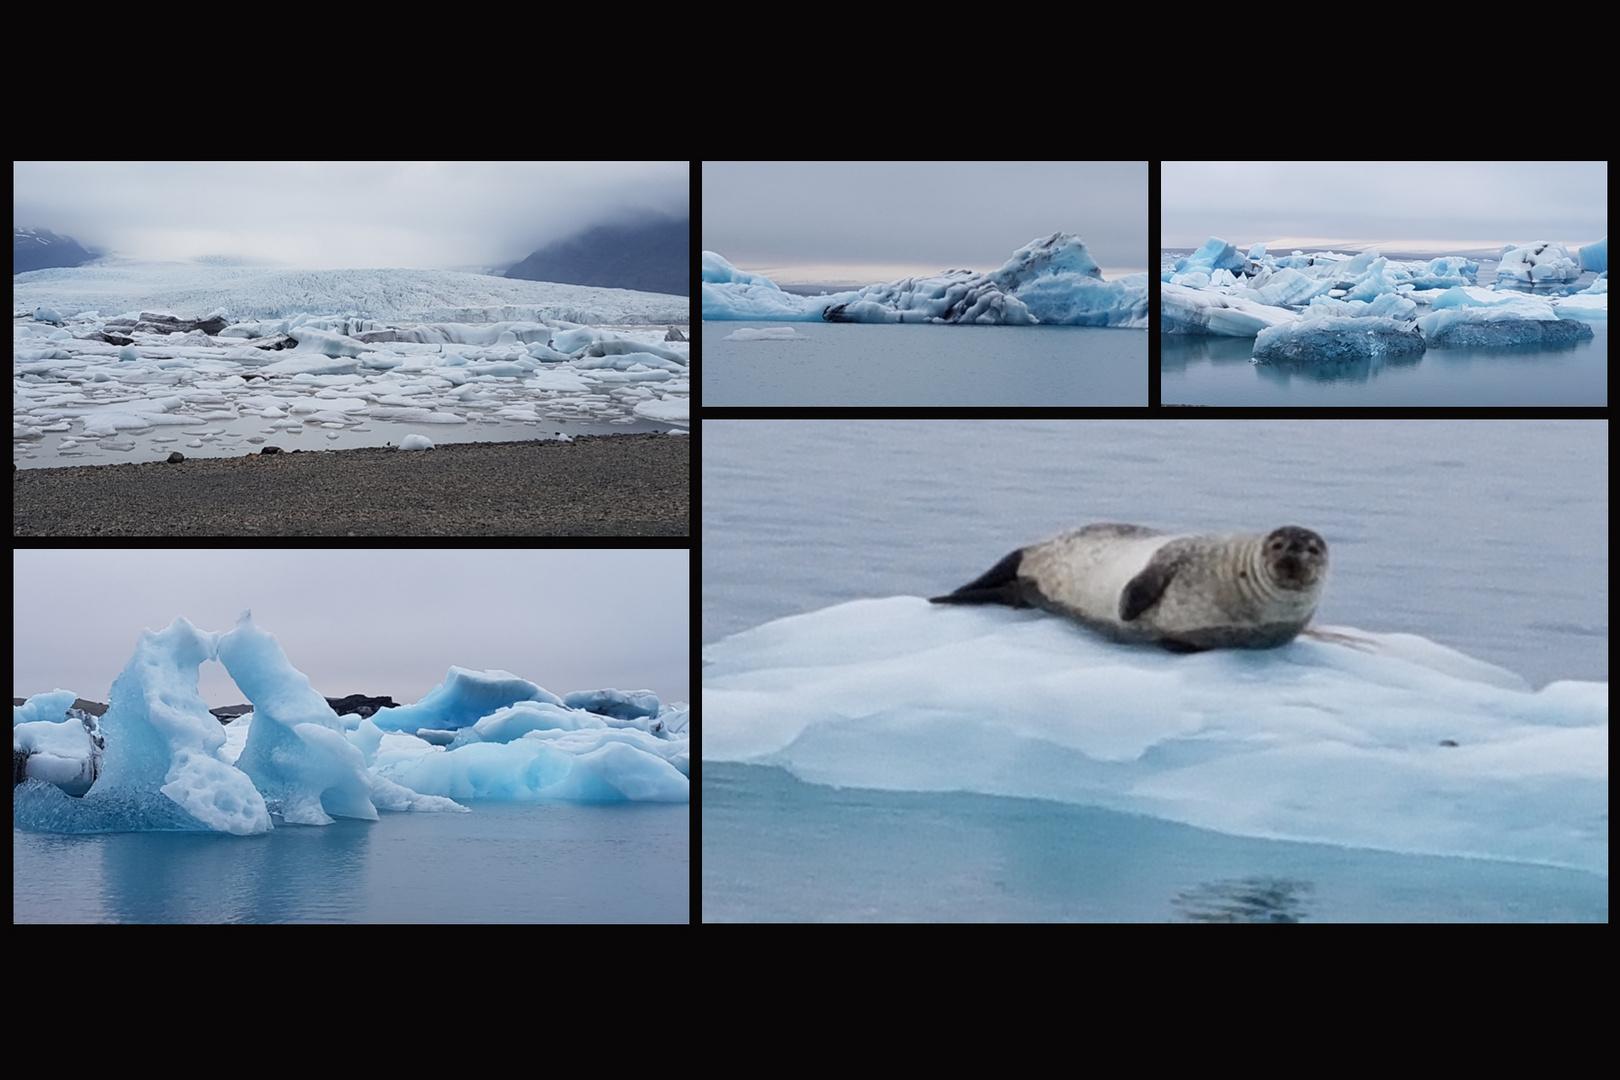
[611,485]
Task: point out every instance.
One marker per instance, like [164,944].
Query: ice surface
[1050,280]
[1385,741]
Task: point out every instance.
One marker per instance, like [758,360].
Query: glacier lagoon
[1444,540]
[328,359]
[1473,310]
[157,762]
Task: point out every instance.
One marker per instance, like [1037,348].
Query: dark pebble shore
[613,485]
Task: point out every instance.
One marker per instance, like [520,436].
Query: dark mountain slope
[39,249]
[652,256]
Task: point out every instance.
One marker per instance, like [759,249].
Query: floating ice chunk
[49,744]
[1194,311]
[1463,332]
[1540,261]
[1335,340]
[1216,254]
[1385,741]
[416,442]
[1286,287]
[461,700]
[670,409]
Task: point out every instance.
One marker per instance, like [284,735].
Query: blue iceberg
[159,760]
[1595,257]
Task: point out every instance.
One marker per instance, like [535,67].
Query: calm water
[1487,536]
[862,364]
[1201,370]
[504,862]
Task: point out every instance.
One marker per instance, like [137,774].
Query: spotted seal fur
[1184,592]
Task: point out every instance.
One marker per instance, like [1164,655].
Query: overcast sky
[335,215]
[877,221]
[364,622]
[1461,204]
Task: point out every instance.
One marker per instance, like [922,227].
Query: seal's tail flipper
[998,585]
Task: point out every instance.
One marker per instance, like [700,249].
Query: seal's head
[1297,557]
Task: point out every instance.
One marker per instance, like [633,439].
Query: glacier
[1346,737]
[161,761]
[324,359]
[1051,280]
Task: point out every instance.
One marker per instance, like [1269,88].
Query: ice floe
[1346,737]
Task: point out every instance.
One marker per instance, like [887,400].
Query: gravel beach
[617,485]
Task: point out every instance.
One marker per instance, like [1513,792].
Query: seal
[1186,593]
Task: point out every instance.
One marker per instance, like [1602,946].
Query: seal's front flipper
[1144,590]
[998,585]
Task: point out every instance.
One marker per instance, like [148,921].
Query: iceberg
[163,767]
[1346,737]
[1051,280]
[297,753]
[66,753]
[459,701]
[1480,317]
[1502,333]
[1334,339]
[1595,257]
[159,760]
[1185,310]
[1541,261]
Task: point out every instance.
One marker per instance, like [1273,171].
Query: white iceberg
[1385,741]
